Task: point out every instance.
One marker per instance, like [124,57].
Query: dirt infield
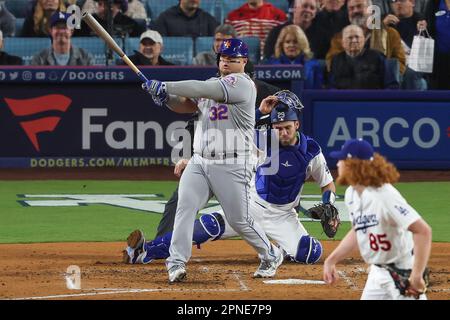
[220,270]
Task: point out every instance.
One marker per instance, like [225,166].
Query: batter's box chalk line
[294,281]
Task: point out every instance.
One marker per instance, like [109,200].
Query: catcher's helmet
[287,107]
[235,48]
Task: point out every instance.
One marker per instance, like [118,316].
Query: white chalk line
[242,285]
[122,291]
[294,281]
[349,281]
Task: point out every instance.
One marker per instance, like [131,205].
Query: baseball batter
[220,166]
[273,198]
[387,230]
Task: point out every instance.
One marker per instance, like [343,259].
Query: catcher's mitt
[329,217]
[401,276]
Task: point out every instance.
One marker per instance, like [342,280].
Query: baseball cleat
[268,268]
[136,247]
[177,273]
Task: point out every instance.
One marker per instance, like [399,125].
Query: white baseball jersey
[380,218]
[227,127]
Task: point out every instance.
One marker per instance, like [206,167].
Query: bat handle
[141,75]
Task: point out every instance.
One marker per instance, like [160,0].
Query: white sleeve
[237,88]
[398,209]
[319,170]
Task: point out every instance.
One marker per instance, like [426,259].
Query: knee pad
[309,250]
[208,226]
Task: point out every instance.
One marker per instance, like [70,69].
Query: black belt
[219,156]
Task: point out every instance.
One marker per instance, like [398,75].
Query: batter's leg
[193,194]
[230,184]
[168,218]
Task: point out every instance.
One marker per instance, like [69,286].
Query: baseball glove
[329,217]
[401,276]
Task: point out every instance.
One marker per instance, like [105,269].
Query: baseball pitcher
[391,236]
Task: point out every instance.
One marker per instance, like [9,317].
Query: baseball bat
[101,32]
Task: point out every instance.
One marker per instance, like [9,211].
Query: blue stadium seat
[19,26]
[18,8]
[26,47]
[178,50]
[158,6]
[203,44]
[214,8]
[253,44]
[95,46]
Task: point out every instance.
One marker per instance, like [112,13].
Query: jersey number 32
[219,112]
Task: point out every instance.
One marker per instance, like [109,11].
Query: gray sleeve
[197,89]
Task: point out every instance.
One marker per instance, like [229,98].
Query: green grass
[21,224]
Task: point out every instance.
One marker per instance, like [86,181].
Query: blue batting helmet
[234,48]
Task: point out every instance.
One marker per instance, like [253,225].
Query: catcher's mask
[287,108]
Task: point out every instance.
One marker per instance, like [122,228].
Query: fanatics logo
[25,108]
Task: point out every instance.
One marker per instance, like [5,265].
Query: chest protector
[284,186]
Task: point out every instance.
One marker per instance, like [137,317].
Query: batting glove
[158,90]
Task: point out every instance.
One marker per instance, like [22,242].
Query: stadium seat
[178,50]
[19,26]
[253,44]
[18,8]
[214,8]
[203,44]
[26,47]
[95,46]
[158,6]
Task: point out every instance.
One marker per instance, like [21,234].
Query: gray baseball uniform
[220,166]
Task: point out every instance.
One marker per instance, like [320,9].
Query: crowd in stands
[341,43]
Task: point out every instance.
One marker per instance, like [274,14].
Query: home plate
[293,281]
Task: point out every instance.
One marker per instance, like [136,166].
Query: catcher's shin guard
[208,226]
[309,250]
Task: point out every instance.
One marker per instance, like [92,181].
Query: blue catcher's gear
[289,99]
[309,250]
[284,186]
[209,226]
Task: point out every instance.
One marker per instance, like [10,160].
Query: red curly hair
[368,173]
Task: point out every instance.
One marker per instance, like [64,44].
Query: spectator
[62,52]
[222,32]
[7,21]
[37,23]
[122,24]
[332,17]
[384,39]
[255,19]
[292,47]
[136,9]
[439,20]
[150,48]
[407,23]
[303,15]
[6,59]
[357,67]
[186,20]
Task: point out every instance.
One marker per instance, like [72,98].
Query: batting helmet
[235,48]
